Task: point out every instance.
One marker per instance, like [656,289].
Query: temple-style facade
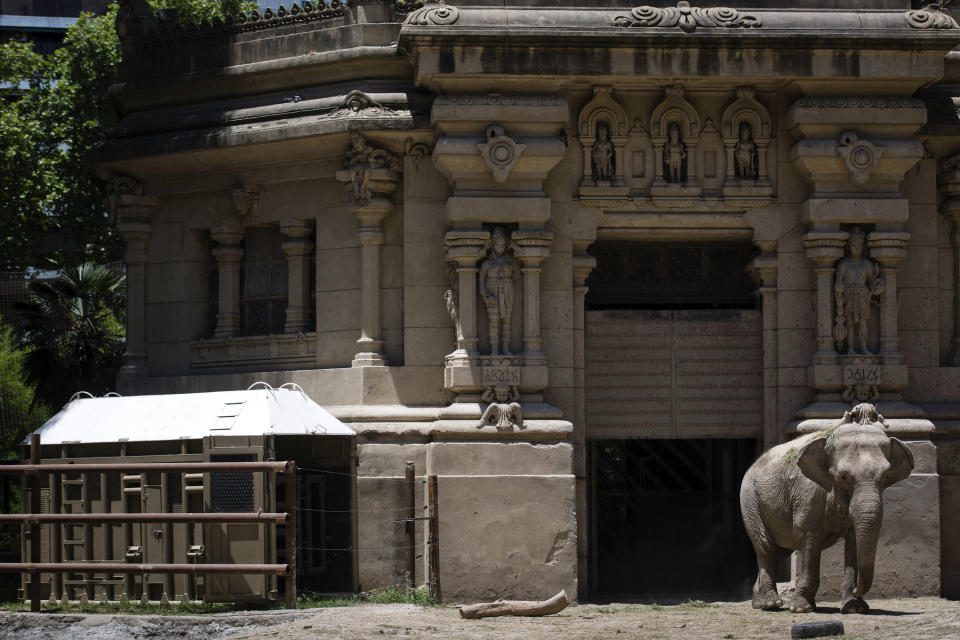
[582,261]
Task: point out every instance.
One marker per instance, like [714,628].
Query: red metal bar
[215,518]
[122,567]
[169,467]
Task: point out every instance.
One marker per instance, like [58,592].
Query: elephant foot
[799,604]
[854,605]
[767,601]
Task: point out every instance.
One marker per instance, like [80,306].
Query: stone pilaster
[131,212]
[583,264]
[949,183]
[372,176]
[297,248]
[464,250]
[824,248]
[765,268]
[889,248]
[228,254]
[532,248]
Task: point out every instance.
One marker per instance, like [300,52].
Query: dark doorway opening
[665,519]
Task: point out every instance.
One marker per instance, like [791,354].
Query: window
[264,282]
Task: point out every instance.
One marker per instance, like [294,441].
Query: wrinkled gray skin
[806,494]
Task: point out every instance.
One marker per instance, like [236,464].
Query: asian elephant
[806,494]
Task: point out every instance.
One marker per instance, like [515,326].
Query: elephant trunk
[866,512]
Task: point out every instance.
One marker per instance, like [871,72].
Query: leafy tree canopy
[51,203]
[19,413]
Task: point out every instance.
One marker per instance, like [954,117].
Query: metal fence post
[434,540]
[291,537]
[35,526]
[410,524]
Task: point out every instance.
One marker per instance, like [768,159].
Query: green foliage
[51,203]
[385,595]
[19,414]
[73,327]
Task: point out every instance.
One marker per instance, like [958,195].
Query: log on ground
[555,604]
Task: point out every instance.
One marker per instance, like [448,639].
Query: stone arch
[675,108]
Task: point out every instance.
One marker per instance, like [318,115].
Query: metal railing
[34,519]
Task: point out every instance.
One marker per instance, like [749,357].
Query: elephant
[806,494]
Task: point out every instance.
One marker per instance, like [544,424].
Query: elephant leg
[808,580]
[765,594]
[851,603]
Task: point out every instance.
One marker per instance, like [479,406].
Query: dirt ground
[906,619]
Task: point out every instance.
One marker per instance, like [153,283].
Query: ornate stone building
[582,261]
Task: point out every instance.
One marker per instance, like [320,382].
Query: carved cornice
[687,18]
[434,14]
[855,102]
[932,16]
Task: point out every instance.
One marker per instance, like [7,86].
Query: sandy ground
[908,619]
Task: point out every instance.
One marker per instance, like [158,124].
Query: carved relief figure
[745,153]
[504,411]
[602,155]
[807,494]
[857,282]
[451,297]
[360,159]
[675,152]
[496,289]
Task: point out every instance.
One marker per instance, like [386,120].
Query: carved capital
[583,265]
[532,247]
[465,248]
[888,247]
[825,247]
[764,267]
[228,239]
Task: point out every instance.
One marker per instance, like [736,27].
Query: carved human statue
[496,289]
[602,155]
[745,153]
[504,411]
[808,493]
[360,159]
[857,282]
[675,152]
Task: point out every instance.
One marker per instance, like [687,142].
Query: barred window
[264,301]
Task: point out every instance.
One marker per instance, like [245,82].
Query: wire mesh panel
[232,491]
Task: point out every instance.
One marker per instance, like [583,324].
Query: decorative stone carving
[415,149]
[120,185]
[675,127]
[687,18]
[933,15]
[434,13]
[747,130]
[360,160]
[500,152]
[496,289]
[357,101]
[244,201]
[860,156]
[451,298]
[857,283]
[603,126]
[504,411]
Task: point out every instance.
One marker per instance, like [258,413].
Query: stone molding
[687,18]
[274,349]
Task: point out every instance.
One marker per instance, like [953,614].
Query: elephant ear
[815,463]
[901,463]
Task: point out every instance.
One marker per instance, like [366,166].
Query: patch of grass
[385,595]
[699,604]
[132,607]
[655,607]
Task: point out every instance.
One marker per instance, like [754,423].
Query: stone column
[228,253]
[824,248]
[131,213]
[954,358]
[583,264]
[298,248]
[889,248]
[464,250]
[532,248]
[765,267]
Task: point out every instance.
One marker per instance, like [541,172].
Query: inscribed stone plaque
[495,375]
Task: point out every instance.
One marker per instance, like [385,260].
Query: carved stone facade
[507,244]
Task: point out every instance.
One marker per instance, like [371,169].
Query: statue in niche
[602,155]
[360,159]
[857,283]
[675,152]
[496,289]
[745,153]
[503,411]
[452,299]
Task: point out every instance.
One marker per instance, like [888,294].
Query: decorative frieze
[273,350]
[687,18]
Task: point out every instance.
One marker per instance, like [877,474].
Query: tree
[51,109]
[73,330]
[19,413]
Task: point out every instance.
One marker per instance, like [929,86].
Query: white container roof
[252,412]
